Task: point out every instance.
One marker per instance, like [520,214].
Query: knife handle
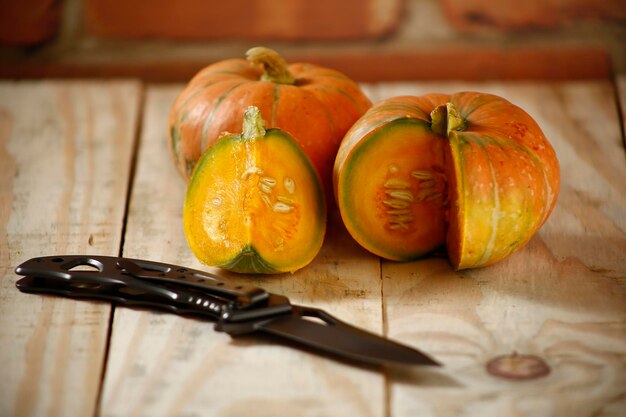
[151,284]
[139,274]
[211,308]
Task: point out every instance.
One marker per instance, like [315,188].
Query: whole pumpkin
[315,105]
[468,170]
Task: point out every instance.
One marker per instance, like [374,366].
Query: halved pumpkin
[255,203]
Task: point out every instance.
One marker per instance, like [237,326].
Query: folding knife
[236,309]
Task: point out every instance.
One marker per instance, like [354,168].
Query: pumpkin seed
[397,183]
[423,175]
[400,195]
[281,207]
[265,188]
[266,199]
[279,243]
[397,204]
[407,218]
[399,211]
[285,200]
[426,193]
[290,185]
[427,184]
[435,196]
[396,226]
[269,181]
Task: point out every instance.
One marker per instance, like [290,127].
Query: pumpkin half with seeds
[255,203]
[470,171]
[315,105]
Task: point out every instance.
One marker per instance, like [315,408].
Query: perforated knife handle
[136,273]
[144,283]
[208,307]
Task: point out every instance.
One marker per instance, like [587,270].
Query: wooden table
[84,168]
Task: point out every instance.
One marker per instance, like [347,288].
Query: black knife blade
[339,338]
[237,309]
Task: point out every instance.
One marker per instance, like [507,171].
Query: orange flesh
[255,194]
[401,205]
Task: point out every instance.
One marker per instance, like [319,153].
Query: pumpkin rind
[502,174]
[317,110]
[509,180]
[255,205]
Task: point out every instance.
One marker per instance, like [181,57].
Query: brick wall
[369,39]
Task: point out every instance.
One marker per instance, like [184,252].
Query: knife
[236,309]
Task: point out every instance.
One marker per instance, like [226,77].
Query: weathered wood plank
[65,151]
[621,91]
[164,365]
[562,298]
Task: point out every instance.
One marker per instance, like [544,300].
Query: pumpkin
[470,171]
[315,105]
[255,203]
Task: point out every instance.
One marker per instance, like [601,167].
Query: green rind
[248,261]
[205,158]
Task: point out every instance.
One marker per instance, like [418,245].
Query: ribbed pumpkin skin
[502,174]
[317,110]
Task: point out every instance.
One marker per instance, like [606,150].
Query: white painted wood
[65,152]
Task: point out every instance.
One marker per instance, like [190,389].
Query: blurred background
[370,40]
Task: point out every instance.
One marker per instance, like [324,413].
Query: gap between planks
[129,189]
[619,86]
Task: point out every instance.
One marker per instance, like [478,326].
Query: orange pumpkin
[469,170]
[314,105]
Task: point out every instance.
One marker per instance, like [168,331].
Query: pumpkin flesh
[255,205]
[396,195]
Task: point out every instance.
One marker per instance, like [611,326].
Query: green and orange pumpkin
[255,203]
[470,171]
[315,105]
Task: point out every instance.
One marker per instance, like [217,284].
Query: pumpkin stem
[445,118]
[253,124]
[274,66]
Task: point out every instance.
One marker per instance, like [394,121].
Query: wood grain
[65,153]
[620,85]
[164,365]
[65,150]
[562,297]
